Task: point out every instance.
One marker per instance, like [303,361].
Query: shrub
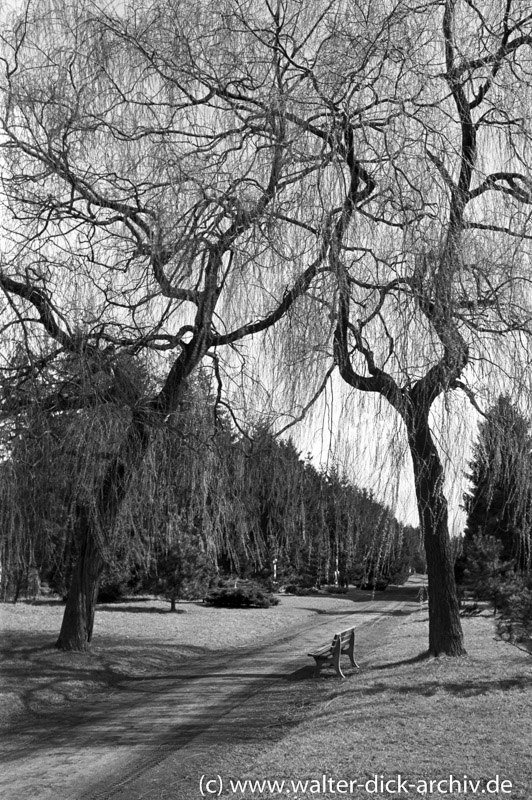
[114,583]
[112,591]
[301,591]
[514,596]
[245,594]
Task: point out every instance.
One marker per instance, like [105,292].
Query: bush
[336,589]
[514,600]
[112,591]
[114,583]
[244,594]
[301,591]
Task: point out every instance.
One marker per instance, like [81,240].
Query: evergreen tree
[484,569]
[500,501]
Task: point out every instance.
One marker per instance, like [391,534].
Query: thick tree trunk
[78,619]
[92,528]
[445,629]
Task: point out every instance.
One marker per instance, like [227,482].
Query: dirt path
[120,747]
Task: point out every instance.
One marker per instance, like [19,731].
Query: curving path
[118,747]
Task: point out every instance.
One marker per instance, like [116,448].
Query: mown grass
[405,714]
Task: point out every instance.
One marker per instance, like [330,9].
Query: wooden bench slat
[345,637]
[322,650]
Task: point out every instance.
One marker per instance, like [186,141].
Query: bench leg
[317,666]
[351,650]
[336,657]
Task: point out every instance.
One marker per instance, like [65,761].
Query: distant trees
[208,502]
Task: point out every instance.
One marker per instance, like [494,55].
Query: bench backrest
[343,635]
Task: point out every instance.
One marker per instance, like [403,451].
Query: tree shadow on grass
[123,604]
[50,601]
[47,680]
[320,612]
[137,609]
[349,613]
[465,688]
[424,656]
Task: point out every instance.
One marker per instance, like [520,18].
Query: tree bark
[445,629]
[92,529]
[78,619]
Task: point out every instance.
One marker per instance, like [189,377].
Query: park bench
[343,642]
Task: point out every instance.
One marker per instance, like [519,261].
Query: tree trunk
[78,619]
[445,629]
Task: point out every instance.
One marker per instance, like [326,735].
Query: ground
[165,699]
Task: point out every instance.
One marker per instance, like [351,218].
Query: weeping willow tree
[442,282]
[155,200]
[427,133]
[52,464]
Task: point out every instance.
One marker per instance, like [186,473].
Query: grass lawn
[403,714]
